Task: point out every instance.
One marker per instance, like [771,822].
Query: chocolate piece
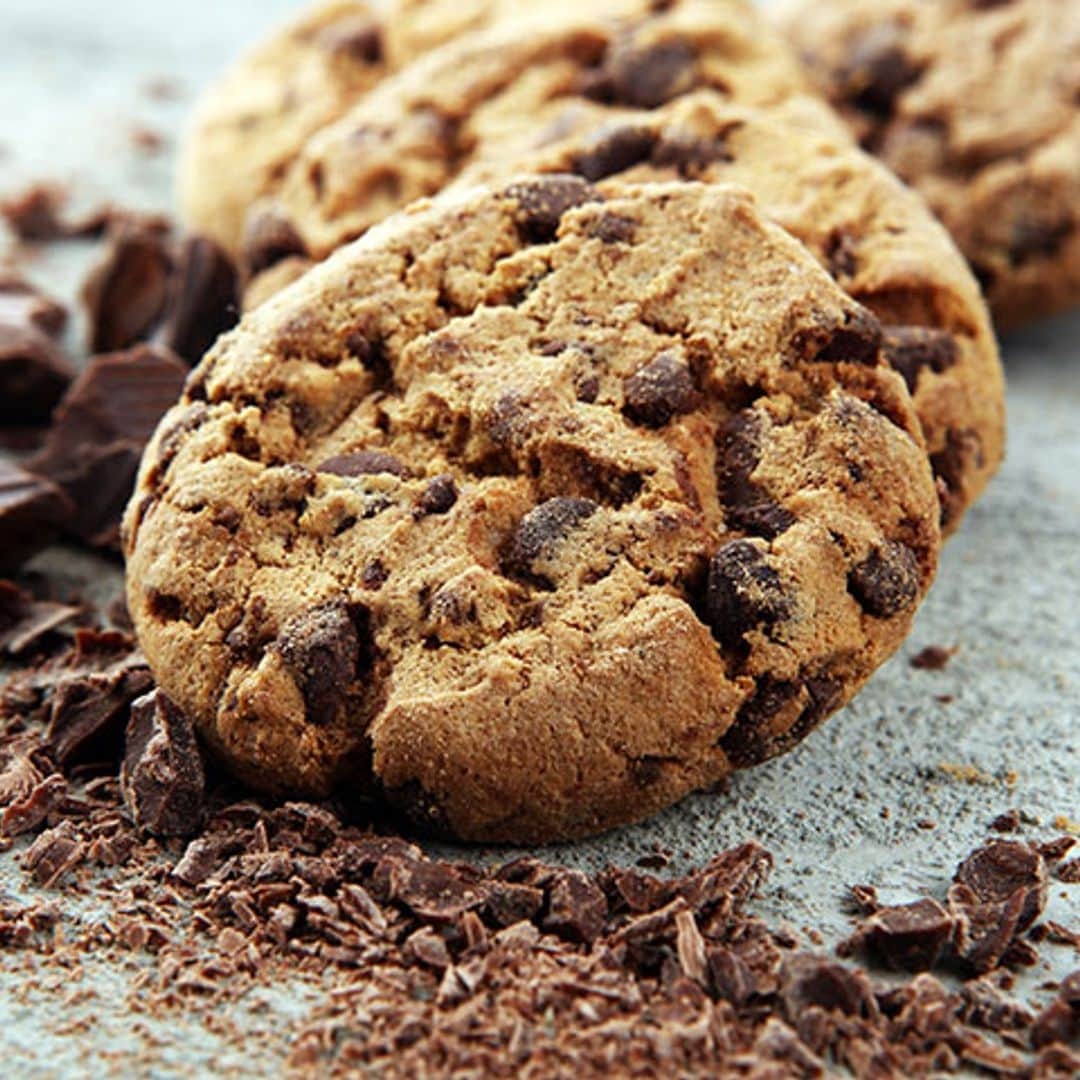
[747,505]
[808,981]
[24,621]
[363,463]
[100,429]
[203,300]
[909,937]
[34,372]
[162,774]
[543,529]
[353,37]
[439,497]
[886,582]
[1059,1022]
[932,658]
[645,77]
[1002,869]
[126,293]
[911,349]
[1007,822]
[53,854]
[33,215]
[30,813]
[744,593]
[33,510]
[878,69]
[269,238]
[660,391]
[576,908]
[857,341]
[542,203]
[613,152]
[324,650]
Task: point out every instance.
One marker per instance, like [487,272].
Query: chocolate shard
[33,511]
[807,981]
[1002,868]
[25,621]
[126,293]
[907,937]
[162,777]
[29,814]
[203,300]
[576,908]
[99,432]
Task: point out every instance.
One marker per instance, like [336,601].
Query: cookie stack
[594,423]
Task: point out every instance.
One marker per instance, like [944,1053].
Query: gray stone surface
[872,797]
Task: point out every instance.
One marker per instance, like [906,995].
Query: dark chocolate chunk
[690,154]
[814,981]
[576,908]
[544,528]
[326,650]
[33,511]
[507,903]
[614,151]
[747,505]
[203,300]
[747,741]
[1000,869]
[910,349]
[439,497]
[126,293]
[660,391]
[24,621]
[99,432]
[162,777]
[878,69]
[269,237]
[363,463]
[645,77]
[886,582]
[909,937]
[744,593]
[856,341]
[34,215]
[541,204]
[34,371]
[356,37]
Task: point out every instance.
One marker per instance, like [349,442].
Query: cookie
[874,235]
[533,510]
[973,102]
[250,126]
[417,131]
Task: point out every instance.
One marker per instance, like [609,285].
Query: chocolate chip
[878,69]
[749,741]
[33,510]
[203,299]
[325,649]
[690,154]
[162,778]
[747,506]
[126,293]
[439,497]
[908,937]
[541,204]
[613,229]
[951,465]
[886,582]
[856,341]
[1000,869]
[744,593]
[543,529]
[1038,239]
[363,463]
[99,431]
[660,391]
[910,349]
[614,152]
[841,254]
[356,37]
[374,575]
[646,77]
[269,237]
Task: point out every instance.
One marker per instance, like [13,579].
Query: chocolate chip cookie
[975,103]
[874,235]
[534,510]
[251,125]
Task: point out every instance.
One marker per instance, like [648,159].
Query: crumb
[933,658]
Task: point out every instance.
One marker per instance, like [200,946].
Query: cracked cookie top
[534,509]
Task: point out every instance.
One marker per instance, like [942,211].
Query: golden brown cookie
[976,103]
[875,236]
[534,509]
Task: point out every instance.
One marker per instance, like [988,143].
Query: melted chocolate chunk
[744,593]
[162,777]
[126,293]
[747,505]
[543,529]
[660,391]
[910,349]
[363,463]
[614,152]
[887,581]
[541,204]
[269,237]
[326,649]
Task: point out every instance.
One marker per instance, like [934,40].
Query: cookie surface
[975,104]
[250,126]
[875,237]
[535,510]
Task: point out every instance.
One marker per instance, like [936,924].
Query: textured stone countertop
[893,791]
